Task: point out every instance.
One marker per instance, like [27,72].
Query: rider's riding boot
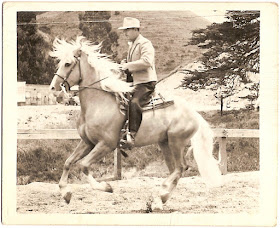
[129,142]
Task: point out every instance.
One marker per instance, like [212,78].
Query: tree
[33,63]
[232,49]
[254,94]
[95,26]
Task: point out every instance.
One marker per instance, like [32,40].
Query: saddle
[157,101]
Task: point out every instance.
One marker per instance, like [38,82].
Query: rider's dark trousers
[141,96]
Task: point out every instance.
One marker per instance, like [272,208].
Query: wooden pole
[223,155]
[28,98]
[39,99]
[117,164]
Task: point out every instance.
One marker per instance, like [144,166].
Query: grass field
[42,160]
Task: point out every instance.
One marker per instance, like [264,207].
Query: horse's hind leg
[177,143]
[168,156]
[190,162]
[81,150]
[170,162]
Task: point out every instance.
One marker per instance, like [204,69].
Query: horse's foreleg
[99,151]
[81,150]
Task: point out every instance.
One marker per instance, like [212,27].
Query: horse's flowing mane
[103,65]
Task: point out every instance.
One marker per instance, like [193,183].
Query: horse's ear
[79,53]
[79,39]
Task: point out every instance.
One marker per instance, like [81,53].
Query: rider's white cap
[130,22]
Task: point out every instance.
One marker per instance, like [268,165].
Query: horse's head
[69,69]
[81,63]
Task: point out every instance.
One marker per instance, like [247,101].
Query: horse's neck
[89,74]
[95,98]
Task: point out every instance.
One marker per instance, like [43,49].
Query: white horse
[100,121]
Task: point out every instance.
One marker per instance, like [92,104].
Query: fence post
[34,97]
[39,99]
[117,164]
[28,98]
[223,155]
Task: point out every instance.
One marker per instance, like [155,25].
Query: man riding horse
[100,121]
[140,63]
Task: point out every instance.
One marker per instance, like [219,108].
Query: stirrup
[128,143]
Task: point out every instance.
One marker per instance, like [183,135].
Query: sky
[217,16]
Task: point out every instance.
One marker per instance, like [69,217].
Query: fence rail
[220,133]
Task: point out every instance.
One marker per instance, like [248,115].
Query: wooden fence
[33,94]
[221,134]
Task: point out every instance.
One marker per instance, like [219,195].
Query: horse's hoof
[107,187]
[164,196]
[156,205]
[67,197]
[66,194]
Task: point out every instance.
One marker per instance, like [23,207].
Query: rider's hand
[124,66]
[123,61]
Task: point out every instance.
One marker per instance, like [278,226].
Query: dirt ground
[239,194]
[47,117]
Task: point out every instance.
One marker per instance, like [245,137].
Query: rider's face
[131,33]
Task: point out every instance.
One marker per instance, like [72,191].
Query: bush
[240,119]
[43,160]
[142,156]
[243,155]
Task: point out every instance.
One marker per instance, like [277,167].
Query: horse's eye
[67,64]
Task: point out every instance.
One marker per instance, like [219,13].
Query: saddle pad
[157,103]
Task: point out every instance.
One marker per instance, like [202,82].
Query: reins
[90,85]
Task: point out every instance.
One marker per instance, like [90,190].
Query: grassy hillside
[169,31]
[59,24]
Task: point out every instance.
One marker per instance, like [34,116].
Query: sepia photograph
[165,113]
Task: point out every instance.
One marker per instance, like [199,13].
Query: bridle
[65,83]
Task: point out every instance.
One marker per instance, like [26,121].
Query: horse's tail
[202,143]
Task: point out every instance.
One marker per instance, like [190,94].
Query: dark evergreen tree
[95,26]
[33,62]
[231,49]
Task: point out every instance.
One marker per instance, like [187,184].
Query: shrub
[43,160]
[141,157]
[243,155]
